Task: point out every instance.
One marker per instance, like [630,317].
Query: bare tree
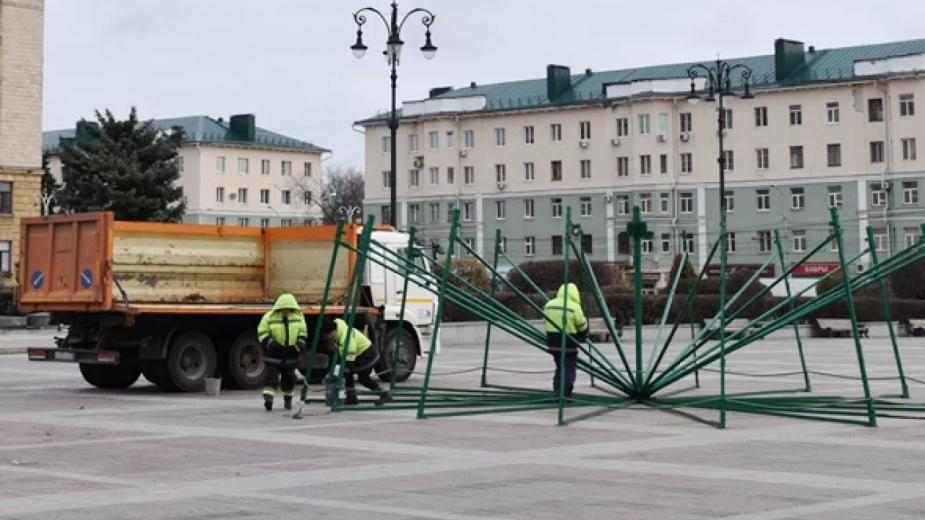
[305,193]
[343,194]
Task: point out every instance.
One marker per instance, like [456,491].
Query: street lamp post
[349,212]
[719,85]
[392,54]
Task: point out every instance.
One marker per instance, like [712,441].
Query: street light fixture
[392,55]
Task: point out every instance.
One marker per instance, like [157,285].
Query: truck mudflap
[92,357]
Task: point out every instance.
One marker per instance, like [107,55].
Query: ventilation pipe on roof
[244,126]
[558,80]
[789,57]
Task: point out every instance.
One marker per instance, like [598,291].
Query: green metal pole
[563,330]
[723,259]
[796,326]
[494,288]
[393,370]
[852,313]
[441,293]
[636,229]
[887,312]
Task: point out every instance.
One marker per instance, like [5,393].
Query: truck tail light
[107,356]
[37,354]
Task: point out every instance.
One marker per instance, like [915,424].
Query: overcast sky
[289,62]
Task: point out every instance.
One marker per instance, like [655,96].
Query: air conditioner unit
[419,161]
[463,153]
[685,137]
[502,185]
[615,141]
[661,138]
[584,143]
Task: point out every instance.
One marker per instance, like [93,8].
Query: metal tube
[887,313]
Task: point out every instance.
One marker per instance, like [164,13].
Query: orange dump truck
[181,302]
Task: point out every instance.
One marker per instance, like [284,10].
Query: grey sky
[288,61]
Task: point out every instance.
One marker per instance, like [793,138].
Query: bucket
[213,385]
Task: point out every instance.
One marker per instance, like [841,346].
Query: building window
[644,124]
[220,164]
[434,176]
[906,105]
[244,166]
[386,179]
[832,113]
[623,205]
[764,241]
[623,166]
[286,197]
[264,196]
[875,110]
[434,212]
[529,172]
[557,208]
[646,246]
[881,240]
[243,221]
[584,130]
[687,202]
[909,153]
[414,214]
[666,243]
[796,115]
[386,144]
[386,212]
[910,192]
[5,252]
[585,169]
[763,200]
[528,208]
[414,178]
[219,194]
[645,165]
[6,198]
[555,131]
[687,242]
[219,221]
[450,212]
[686,122]
[286,168]
[264,223]
[500,210]
[450,175]
[529,135]
[799,241]
[877,195]
[663,163]
[468,211]
[645,203]
[797,198]
[285,222]
[586,206]
[834,197]
[529,246]
[725,119]
[469,138]
[468,175]
[623,127]
[450,140]
[910,236]
[761,116]
[762,159]
[664,204]
[796,157]
[500,137]
[730,242]
[434,140]
[500,173]
[555,168]
[587,243]
[876,151]
[557,245]
[730,200]
[833,151]
[413,144]
[728,160]
[307,197]
[687,163]
[264,167]
[242,195]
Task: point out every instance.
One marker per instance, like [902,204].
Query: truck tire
[407,356]
[190,361]
[110,377]
[244,363]
[155,371]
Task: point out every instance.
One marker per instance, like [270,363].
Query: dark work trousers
[554,347]
[280,364]
[361,368]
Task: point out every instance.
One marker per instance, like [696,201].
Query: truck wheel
[407,355]
[111,377]
[191,360]
[244,362]
[155,371]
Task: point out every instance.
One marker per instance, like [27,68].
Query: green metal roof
[822,66]
[206,130]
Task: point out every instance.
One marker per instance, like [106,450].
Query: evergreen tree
[49,188]
[125,166]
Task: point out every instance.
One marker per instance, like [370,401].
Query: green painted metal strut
[637,230]
[563,334]
[796,326]
[887,313]
[399,336]
[494,288]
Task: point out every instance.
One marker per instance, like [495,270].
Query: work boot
[268,403]
[384,398]
[287,402]
[351,398]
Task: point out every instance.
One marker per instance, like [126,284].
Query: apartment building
[235,173]
[21,59]
[826,128]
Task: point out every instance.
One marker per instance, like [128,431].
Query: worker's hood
[286,301]
[569,291]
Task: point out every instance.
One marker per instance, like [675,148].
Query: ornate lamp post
[392,52]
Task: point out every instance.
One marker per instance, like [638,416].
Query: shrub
[548,274]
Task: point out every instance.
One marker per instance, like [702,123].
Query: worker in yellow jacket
[361,356]
[282,332]
[567,301]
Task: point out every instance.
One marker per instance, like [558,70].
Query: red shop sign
[814,270]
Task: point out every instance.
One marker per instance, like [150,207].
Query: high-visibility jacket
[359,343]
[567,301]
[286,332]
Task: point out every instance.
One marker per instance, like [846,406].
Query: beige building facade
[21,59]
